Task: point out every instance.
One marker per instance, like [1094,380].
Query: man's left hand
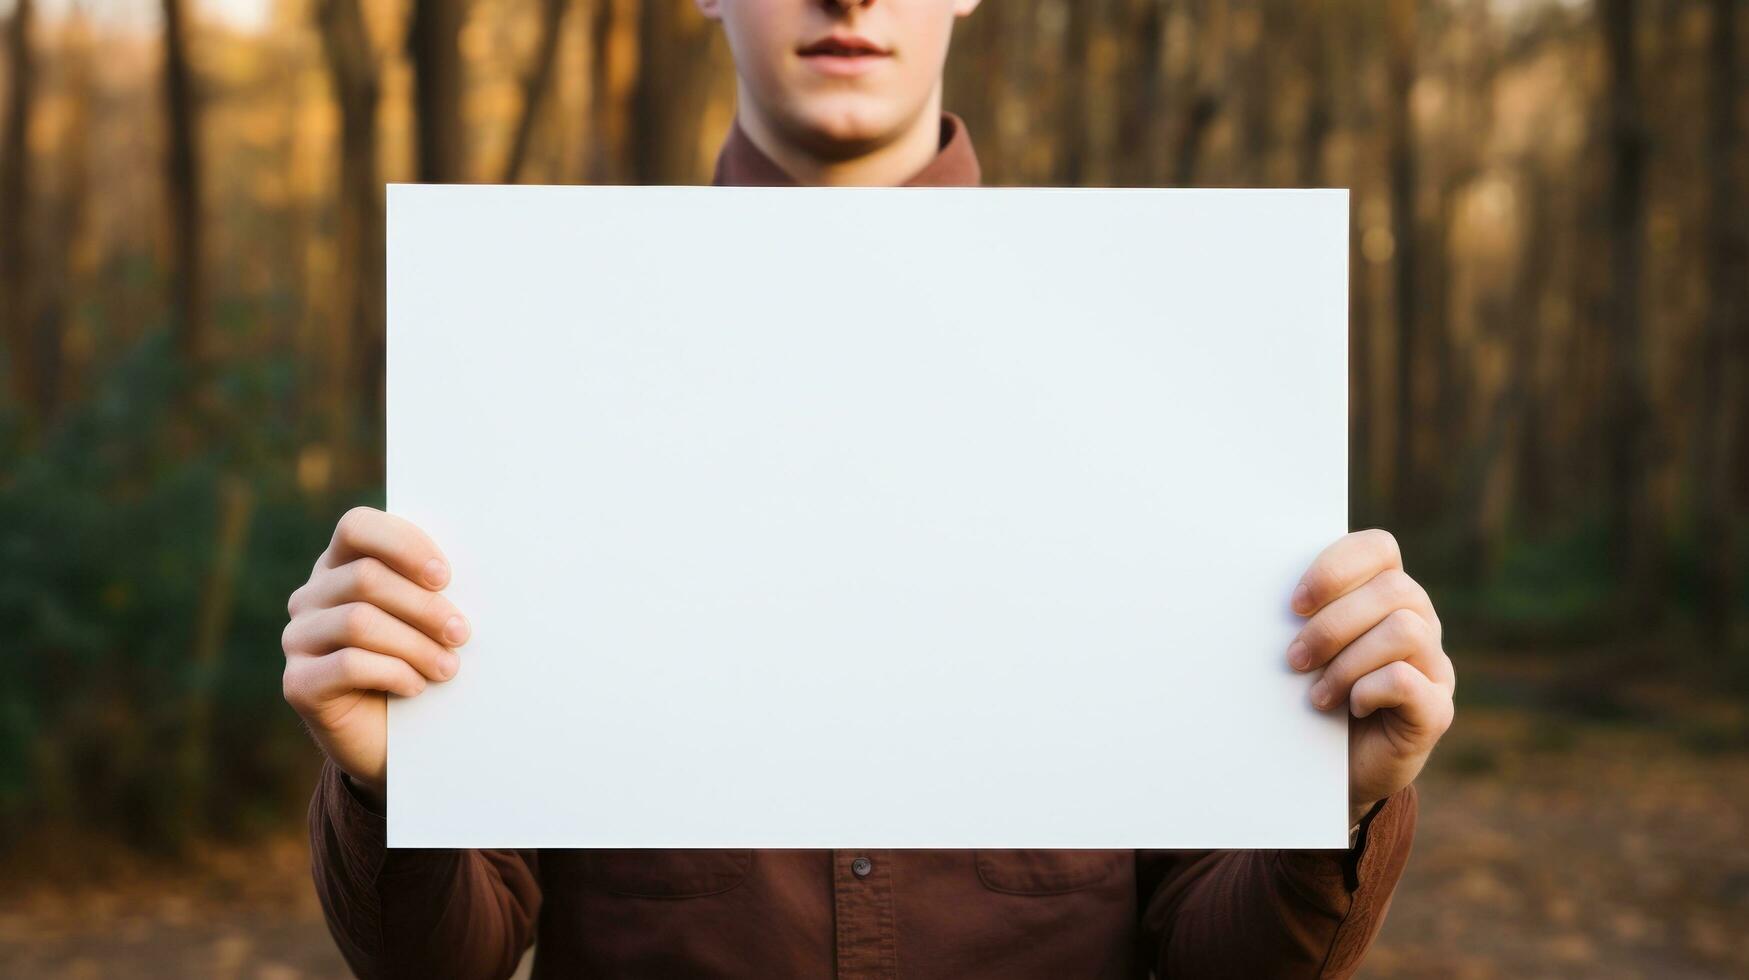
[1373,630]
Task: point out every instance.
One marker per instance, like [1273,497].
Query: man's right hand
[370,622]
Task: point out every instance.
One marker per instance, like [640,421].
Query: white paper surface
[869,517]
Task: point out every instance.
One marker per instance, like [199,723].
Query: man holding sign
[841,92]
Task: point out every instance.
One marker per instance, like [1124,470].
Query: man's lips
[843,54]
[843,45]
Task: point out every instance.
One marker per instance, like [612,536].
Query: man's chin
[846,129]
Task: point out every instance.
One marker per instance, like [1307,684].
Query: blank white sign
[869,517]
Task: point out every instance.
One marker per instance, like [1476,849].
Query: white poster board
[869,517]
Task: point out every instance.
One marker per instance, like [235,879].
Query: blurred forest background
[1550,343]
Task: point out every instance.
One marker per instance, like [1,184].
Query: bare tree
[1202,83]
[668,99]
[1258,87]
[1401,70]
[355,344]
[434,45]
[1720,413]
[16,282]
[612,59]
[1630,450]
[212,621]
[1073,90]
[1450,175]
[1312,26]
[182,180]
[535,84]
[67,253]
[1143,125]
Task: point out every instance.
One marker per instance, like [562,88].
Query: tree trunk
[1721,409]
[612,67]
[669,97]
[1509,444]
[1319,116]
[534,88]
[1073,110]
[1535,272]
[1257,103]
[1401,163]
[1199,101]
[236,505]
[1629,444]
[434,45]
[1142,123]
[69,281]
[16,320]
[182,179]
[355,354]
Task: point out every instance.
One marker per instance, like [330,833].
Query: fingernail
[1302,599]
[436,572]
[447,664]
[1321,694]
[455,631]
[1298,655]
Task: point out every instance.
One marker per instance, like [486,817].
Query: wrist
[1358,811]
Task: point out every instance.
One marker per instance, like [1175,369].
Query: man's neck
[888,165]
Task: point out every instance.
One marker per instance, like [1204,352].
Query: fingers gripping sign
[1372,633]
[370,622]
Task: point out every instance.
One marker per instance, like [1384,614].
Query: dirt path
[1582,851]
[238,913]
[1545,850]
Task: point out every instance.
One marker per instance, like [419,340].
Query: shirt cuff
[345,832]
[1384,828]
[1359,837]
[359,797]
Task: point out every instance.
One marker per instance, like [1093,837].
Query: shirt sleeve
[416,912]
[1274,913]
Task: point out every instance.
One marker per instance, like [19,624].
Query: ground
[1553,843]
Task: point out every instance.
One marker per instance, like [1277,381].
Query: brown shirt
[858,912]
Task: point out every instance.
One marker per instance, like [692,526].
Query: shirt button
[861,867]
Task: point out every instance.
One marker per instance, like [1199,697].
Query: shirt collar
[742,164]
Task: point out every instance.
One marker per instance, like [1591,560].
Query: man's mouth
[852,46]
[843,55]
